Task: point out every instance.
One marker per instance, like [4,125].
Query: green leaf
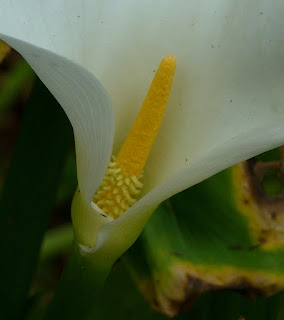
[209,238]
[28,196]
[15,81]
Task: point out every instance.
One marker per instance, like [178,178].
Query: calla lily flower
[98,59]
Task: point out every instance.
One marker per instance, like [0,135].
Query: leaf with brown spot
[222,246]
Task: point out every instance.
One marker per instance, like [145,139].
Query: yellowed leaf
[4,50]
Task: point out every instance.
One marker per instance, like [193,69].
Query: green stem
[80,285]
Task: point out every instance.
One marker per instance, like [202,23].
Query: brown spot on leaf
[236,247]
[273,215]
[254,247]
[261,240]
[10,221]
[246,201]
[177,253]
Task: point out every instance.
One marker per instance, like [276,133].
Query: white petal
[230,59]
[56,25]
[87,105]
[229,76]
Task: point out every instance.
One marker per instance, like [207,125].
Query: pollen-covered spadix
[122,185]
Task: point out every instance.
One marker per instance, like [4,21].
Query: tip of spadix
[134,153]
[170,60]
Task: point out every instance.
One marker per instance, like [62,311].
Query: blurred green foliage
[14,83]
[29,194]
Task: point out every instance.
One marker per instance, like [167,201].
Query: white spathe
[226,103]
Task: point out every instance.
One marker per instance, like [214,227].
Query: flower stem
[81,283]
